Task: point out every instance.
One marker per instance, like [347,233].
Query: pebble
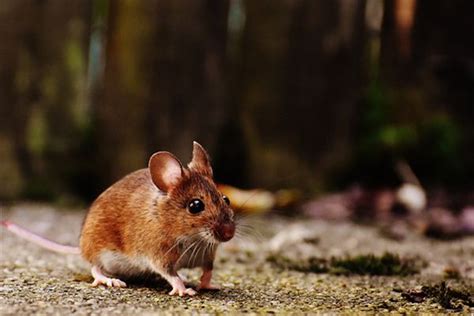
[33,281]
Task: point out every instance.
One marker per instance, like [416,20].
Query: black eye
[196,206]
[226,200]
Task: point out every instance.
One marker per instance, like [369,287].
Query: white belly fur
[118,264]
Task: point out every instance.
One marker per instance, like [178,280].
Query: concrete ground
[37,281]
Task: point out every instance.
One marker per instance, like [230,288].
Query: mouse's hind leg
[100,278]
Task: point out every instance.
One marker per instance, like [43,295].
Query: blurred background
[313,96]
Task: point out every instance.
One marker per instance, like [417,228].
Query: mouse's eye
[196,206]
[226,200]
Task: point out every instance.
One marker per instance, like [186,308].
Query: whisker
[187,249]
[199,247]
[249,237]
[204,249]
[195,252]
[254,218]
[211,243]
[249,230]
[248,199]
[246,227]
[179,240]
[204,252]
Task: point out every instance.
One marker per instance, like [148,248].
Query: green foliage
[381,130]
[37,132]
[443,134]
[100,10]
[75,66]
[401,124]
[440,152]
[396,137]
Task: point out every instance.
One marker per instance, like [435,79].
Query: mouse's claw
[100,278]
[179,288]
[109,282]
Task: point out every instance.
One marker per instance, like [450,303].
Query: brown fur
[135,218]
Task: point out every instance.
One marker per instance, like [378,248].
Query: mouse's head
[192,198]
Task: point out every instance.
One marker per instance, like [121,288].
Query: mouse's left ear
[201,161]
[165,170]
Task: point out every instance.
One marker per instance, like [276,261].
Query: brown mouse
[154,221]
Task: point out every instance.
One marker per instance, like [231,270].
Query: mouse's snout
[224,231]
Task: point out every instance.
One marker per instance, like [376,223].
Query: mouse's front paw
[182,291]
[206,281]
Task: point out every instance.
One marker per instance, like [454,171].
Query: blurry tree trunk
[122,111]
[189,85]
[292,132]
[12,114]
[164,81]
[397,39]
[42,80]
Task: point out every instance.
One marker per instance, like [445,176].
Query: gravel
[34,280]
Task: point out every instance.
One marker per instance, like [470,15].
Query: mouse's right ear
[165,169]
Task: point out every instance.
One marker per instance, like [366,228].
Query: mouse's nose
[225,231]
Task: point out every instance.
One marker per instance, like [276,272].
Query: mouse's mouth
[224,232]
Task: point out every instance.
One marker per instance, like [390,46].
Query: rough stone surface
[33,280]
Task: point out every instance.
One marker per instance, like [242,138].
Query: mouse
[154,221]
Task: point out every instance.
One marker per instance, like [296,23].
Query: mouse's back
[121,205]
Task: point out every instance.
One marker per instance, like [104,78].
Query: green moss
[387,264]
[442,294]
[313,264]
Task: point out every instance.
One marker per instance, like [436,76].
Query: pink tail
[41,241]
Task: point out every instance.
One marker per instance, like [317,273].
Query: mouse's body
[128,232]
[125,232]
[156,221]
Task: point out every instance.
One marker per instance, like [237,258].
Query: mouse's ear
[201,161]
[165,169]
